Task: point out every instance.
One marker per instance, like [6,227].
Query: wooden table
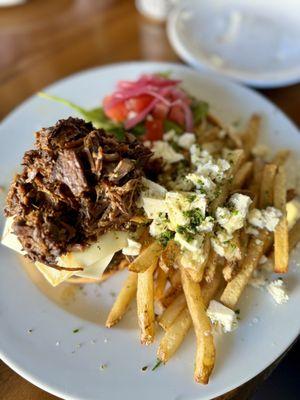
[43,41]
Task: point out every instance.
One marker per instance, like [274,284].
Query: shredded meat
[76,184]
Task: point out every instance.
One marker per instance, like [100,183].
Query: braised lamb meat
[78,183]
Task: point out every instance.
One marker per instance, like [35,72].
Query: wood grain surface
[43,41]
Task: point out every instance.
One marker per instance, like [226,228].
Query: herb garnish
[165,237]
[158,363]
[76,330]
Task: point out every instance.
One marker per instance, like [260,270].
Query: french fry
[235,138]
[168,256]
[174,336]
[205,354]
[251,134]
[160,284]
[171,313]
[229,270]
[123,300]
[146,258]
[175,278]
[211,266]
[209,289]
[170,295]
[177,331]
[294,235]
[281,240]
[242,175]
[145,304]
[281,157]
[213,147]
[235,287]
[258,166]
[197,273]
[139,219]
[267,184]
[236,159]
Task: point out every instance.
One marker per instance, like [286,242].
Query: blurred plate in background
[253,42]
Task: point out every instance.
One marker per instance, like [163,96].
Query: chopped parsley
[191,197]
[195,217]
[158,363]
[183,230]
[76,330]
[165,237]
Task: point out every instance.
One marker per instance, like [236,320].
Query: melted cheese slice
[93,260]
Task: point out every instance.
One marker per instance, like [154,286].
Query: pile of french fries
[156,276]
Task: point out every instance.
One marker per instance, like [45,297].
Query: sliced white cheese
[52,275]
[9,239]
[94,259]
[108,244]
[95,270]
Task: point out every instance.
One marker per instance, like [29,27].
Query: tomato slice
[118,113]
[154,129]
[177,115]
[138,103]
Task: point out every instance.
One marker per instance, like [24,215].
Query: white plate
[72,371]
[252,41]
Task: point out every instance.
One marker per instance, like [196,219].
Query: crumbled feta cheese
[206,165]
[181,183]
[207,225]
[159,225]
[186,140]
[178,203]
[220,314]
[233,218]
[265,219]
[223,244]
[164,150]
[203,183]
[192,245]
[169,136]
[133,248]
[277,290]
[193,259]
